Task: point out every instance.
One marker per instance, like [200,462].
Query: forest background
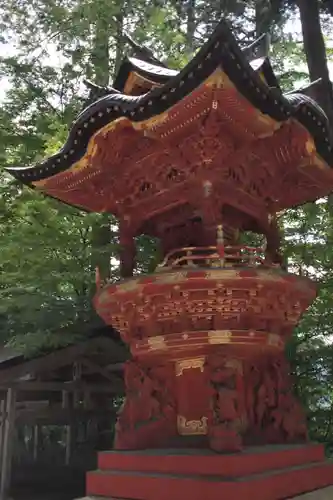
[48,251]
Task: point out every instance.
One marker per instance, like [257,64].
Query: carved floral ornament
[215,292]
[157,343]
[173,343]
[189,364]
[219,276]
[219,337]
[192,427]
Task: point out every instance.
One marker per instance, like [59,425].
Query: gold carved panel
[192,427]
[157,343]
[219,337]
[188,364]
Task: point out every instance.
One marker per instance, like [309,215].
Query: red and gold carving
[192,412]
[192,427]
[228,411]
[235,391]
[214,137]
[208,347]
[175,310]
[147,418]
[208,329]
[189,364]
[274,414]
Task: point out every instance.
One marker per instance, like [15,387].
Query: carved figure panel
[148,414]
[273,412]
[228,413]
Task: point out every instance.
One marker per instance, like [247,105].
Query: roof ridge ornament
[142,52]
[259,48]
[309,90]
[97,91]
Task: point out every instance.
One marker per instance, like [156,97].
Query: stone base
[323,494]
[267,473]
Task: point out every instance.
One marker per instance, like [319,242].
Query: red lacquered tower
[196,159]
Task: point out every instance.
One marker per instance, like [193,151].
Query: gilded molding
[157,343]
[192,427]
[188,364]
[219,337]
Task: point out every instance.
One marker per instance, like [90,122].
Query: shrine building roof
[224,111]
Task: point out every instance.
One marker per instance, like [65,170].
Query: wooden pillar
[2,425]
[127,252]
[8,443]
[36,441]
[87,403]
[69,444]
[77,375]
[68,450]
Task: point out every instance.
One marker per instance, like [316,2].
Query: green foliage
[46,265]
[48,250]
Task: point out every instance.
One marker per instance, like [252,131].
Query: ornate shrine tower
[196,159]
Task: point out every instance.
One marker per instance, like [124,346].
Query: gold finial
[220,237]
[220,244]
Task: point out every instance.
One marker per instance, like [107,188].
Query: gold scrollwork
[187,364]
[274,340]
[225,274]
[192,427]
[219,336]
[156,343]
[171,277]
[128,286]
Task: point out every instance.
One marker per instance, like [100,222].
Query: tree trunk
[267,13]
[262,17]
[190,30]
[119,40]
[315,51]
[100,58]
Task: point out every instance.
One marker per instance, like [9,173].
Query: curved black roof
[252,76]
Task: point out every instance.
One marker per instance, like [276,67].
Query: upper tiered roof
[222,121]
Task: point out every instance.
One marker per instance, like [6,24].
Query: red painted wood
[274,485]
[237,465]
[189,407]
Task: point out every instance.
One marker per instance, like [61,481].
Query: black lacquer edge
[125,69]
[128,66]
[220,50]
[310,114]
[269,74]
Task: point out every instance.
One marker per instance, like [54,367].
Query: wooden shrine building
[58,408]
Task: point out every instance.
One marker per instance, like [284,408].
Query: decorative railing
[212,256]
[215,256]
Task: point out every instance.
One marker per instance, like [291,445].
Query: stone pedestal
[273,473]
[322,494]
